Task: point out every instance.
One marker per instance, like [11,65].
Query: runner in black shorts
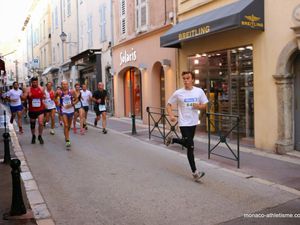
[100,97]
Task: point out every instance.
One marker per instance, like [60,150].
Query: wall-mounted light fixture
[63,38]
[166,63]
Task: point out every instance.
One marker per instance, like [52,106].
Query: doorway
[297,102]
[132,93]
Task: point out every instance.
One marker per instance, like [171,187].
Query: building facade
[246,58]
[144,73]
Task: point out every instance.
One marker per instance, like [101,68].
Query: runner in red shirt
[35,95]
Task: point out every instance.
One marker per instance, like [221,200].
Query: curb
[37,203]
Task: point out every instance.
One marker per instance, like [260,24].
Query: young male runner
[189,100]
[86,97]
[50,106]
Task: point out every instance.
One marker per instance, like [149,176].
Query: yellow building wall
[267,46]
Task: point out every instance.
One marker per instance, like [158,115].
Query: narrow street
[118,179]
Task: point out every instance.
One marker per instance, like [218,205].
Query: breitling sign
[252,21]
[194,33]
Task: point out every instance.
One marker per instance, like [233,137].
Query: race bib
[102,108]
[78,105]
[36,102]
[67,100]
[50,104]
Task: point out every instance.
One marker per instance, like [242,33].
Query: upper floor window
[102,23]
[56,17]
[68,7]
[123,17]
[141,15]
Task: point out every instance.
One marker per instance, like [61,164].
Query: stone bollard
[17,205]
[6,137]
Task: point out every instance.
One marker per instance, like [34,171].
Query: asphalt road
[116,179]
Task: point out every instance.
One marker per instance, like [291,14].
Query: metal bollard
[6,137]
[133,131]
[17,205]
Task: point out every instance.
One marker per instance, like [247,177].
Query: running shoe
[68,144]
[11,120]
[21,130]
[95,122]
[33,139]
[197,175]
[104,131]
[169,140]
[25,116]
[85,127]
[52,132]
[74,130]
[82,131]
[60,123]
[40,139]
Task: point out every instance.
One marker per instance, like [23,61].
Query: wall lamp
[63,38]
[166,63]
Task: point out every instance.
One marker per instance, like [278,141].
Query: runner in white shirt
[189,100]
[50,106]
[14,97]
[86,98]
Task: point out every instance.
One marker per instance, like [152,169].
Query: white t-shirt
[15,97]
[187,115]
[85,96]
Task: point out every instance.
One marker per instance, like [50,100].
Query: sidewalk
[6,184]
[268,168]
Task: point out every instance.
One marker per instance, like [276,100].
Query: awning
[50,69]
[247,14]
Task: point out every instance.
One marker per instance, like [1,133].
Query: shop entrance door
[297,102]
[132,93]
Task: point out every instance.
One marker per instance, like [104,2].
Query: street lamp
[63,38]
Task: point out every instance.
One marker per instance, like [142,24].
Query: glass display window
[226,76]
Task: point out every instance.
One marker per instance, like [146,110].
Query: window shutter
[123,17]
[143,14]
[102,23]
[90,33]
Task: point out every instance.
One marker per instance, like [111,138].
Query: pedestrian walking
[189,100]
[86,97]
[35,95]
[79,111]
[99,98]
[50,106]
[66,97]
[16,108]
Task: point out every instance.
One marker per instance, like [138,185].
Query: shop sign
[126,57]
[194,33]
[252,21]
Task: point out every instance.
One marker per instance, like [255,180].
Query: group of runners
[74,103]
[43,104]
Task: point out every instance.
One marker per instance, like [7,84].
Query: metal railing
[215,121]
[158,121]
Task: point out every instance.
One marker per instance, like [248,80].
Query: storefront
[144,75]
[222,46]
[87,68]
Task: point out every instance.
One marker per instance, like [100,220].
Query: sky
[12,16]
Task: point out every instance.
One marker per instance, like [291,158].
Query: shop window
[227,78]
